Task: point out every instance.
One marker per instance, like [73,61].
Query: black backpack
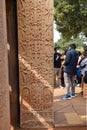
[85,77]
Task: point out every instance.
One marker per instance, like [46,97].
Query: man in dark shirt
[57,67]
[70,71]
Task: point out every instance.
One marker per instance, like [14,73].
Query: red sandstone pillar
[4,89]
[35,51]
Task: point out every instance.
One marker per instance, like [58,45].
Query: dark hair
[85,53]
[85,48]
[56,48]
[79,53]
[73,46]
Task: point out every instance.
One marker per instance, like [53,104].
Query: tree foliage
[71,17]
[64,44]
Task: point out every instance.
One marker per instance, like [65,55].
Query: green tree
[71,17]
[64,44]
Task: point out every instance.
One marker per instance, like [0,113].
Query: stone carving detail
[35,48]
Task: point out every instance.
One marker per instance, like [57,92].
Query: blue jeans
[69,83]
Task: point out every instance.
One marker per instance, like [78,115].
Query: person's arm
[83,63]
[56,57]
[68,58]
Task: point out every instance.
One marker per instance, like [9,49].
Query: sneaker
[66,97]
[72,95]
[78,85]
[60,86]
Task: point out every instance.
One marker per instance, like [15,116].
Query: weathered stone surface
[4,89]
[35,48]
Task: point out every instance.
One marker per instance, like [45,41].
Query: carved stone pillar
[4,89]
[35,48]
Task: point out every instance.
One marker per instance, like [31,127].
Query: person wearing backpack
[70,71]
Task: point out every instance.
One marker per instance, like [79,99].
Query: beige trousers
[57,77]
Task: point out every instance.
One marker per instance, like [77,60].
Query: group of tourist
[69,69]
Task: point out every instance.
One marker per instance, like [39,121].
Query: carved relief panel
[35,51]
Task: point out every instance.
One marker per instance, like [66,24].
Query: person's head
[79,53]
[85,48]
[85,53]
[72,46]
[64,52]
[56,49]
